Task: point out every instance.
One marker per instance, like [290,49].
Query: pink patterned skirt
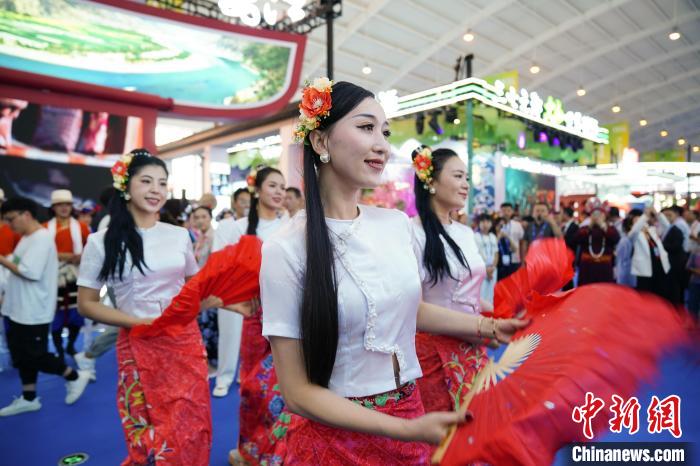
[163,399]
[309,442]
[449,367]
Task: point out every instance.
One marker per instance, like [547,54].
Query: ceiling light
[696,148]
[616,109]
[581,92]
[468,37]
[663,133]
[681,142]
[534,69]
[674,34]
[643,122]
[366,69]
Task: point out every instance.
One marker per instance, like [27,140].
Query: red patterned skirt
[263,424]
[309,442]
[163,399]
[449,367]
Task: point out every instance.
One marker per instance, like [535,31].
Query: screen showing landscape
[103,45]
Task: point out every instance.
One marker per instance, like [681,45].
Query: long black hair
[122,237]
[434,257]
[319,308]
[253,214]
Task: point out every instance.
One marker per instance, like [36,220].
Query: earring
[325,158]
[127,196]
[431,190]
[256,195]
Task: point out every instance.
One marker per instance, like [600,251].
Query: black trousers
[29,347]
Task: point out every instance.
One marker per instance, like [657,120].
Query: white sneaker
[220,391]
[86,364]
[20,405]
[75,389]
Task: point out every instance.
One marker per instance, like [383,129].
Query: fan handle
[445,443]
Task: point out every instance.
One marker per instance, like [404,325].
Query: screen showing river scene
[98,44]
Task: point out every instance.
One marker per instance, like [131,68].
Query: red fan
[547,267]
[604,339]
[230,274]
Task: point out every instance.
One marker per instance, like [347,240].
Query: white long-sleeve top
[169,258]
[379,291]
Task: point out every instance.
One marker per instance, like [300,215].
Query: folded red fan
[548,267]
[231,274]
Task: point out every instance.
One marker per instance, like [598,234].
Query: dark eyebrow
[365,115]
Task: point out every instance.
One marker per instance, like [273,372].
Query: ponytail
[319,317]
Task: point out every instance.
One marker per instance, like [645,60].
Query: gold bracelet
[478,326]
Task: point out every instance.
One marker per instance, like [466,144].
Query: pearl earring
[325,158]
[431,190]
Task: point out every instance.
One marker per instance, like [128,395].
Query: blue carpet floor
[92,425]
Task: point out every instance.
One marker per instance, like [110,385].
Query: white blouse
[378,296]
[230,231]
[169,258]
[463,292]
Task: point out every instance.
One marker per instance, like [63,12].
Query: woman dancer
[341,291]
[163,393]
[261,403]
[451,270]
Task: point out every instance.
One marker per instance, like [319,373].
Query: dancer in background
[340,289]
[162,392]
[258,380]
[452,271]
[70,236]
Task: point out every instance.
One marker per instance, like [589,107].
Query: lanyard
[503,247]
[540,233]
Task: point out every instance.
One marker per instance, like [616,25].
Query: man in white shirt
[29,305]
[514,230]
[293,201]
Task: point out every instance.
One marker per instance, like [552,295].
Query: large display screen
[133,47]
